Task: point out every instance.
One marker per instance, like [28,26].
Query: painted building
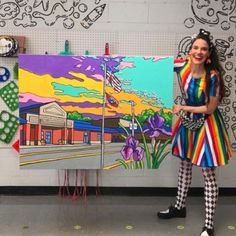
[47,124]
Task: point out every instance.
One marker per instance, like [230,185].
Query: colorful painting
[91,112]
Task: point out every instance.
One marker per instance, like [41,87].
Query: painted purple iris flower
[156,126]
[131,149]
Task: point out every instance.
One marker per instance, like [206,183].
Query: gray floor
[107,216]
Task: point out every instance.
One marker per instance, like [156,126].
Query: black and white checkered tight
[211,195]
[184,181]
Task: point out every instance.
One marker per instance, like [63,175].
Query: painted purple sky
[63,64]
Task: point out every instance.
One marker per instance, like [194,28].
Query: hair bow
[204,32]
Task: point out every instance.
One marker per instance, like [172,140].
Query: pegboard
[92,41]
[13,110]
[124,43]
[149,43]
[125,38]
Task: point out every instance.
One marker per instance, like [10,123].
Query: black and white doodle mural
[220,14]
[66,13]
[213,12]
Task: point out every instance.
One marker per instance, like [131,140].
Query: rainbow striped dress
[208,146]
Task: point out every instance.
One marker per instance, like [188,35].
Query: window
[99,137]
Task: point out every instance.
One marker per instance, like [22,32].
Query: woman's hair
[212,64]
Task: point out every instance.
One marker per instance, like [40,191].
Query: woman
[207,147]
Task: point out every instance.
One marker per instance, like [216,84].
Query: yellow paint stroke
[36,84]
[109,167]
[180,227]
[61,158]
[129,227]
[77,227]
[125,108]
[231,227]
[59,151]
[42,86]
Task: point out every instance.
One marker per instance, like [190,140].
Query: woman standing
[208,146]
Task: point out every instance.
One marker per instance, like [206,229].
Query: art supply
[15,71]
[9,94]
[66,49]
[8,46]
[4,74]
[16,145]
[10,126]
[107,50]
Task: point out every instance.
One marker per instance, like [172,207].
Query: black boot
[207,232]
[172,212]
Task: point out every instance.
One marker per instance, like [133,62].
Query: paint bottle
[107,50]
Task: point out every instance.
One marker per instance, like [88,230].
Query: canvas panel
[77,112]
[59,97]
[139,97]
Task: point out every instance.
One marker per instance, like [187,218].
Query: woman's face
[199,52]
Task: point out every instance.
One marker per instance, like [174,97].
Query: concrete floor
[108,216]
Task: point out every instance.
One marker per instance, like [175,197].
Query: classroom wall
[131,27]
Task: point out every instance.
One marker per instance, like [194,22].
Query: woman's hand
[177,108]
[205,109]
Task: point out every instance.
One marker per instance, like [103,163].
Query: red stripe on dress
[227,143]
[176,126]
[214,138]
[176,150]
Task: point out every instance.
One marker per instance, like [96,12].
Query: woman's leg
[184,181]
[211,195]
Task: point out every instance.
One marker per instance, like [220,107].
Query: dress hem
[189,159]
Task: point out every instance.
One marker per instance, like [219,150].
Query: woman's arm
[206,109]
[209,107]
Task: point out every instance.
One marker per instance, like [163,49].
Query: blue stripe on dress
[208,153]
[213,85]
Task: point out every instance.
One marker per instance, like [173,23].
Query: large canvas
[91,112]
